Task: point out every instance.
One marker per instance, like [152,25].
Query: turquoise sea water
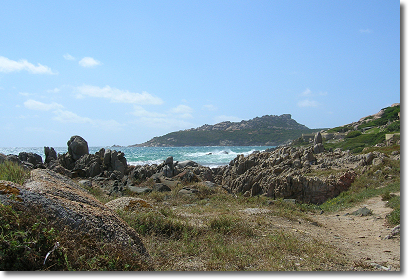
[210,156]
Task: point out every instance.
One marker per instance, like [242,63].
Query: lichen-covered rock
[65,201]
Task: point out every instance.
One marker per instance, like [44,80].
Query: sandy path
[362,237]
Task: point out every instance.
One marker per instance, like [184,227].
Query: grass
[11,171]
[26,237]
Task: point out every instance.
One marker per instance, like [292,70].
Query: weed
[13,172]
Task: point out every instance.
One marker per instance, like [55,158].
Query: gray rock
[364,211]
[139,190]
[187,191]
[85,183]
[318,138]
[160,187]
[50,154]
[77,147]
[187,163]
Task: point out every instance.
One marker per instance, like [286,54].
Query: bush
[353,134]
[13,172]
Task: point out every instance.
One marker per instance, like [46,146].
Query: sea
[209,156]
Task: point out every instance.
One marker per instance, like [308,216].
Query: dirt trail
[362,237]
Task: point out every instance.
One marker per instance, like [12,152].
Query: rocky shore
[286,172]
[64,186]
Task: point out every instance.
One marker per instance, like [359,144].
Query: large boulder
[65,202]
[77,147]
[50,154]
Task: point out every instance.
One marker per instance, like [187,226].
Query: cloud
[89,62]
[36,105]
[183,111]
[117,95]
[68,57]
[209,107]
[8,66]
[55,90]
[307,92]
[141,112]
[367,31]
[307,103]
[65,116]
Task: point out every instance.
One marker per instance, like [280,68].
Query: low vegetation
[28,241]
[13,172]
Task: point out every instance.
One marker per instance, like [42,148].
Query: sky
[123,72]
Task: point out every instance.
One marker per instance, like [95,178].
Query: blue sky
[122,72]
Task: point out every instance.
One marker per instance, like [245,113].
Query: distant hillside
[268,130]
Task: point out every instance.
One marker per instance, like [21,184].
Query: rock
[210,184]
[139,190]
[187,191]
[32,158]
[129,204]
[369,158]
[187,163]
[188,176]
[318,138]
[377,161]
[160,187]
[318,148]
[66,202]
[364,211]
[85,183]
[50,154]
[77,147]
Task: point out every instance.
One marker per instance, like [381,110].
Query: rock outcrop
[293,173]
[71,205]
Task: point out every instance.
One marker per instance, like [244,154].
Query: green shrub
[353,134]
[13,172]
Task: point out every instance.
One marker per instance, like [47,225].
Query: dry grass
[208,232]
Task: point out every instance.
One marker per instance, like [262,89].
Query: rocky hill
[268,130]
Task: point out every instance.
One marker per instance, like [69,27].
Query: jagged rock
[77,147]
[184,164]
[318,148]
[70,205]
[32,158]
[318,138]
[50,154]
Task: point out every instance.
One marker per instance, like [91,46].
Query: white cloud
[89,62]
[307,103]
[66,116]
[210,107]
[8,66]
[307,92]
[55,90]
[118,96]
[183,111]
[367,31]
[68,57]
[141,112]
[36,105]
